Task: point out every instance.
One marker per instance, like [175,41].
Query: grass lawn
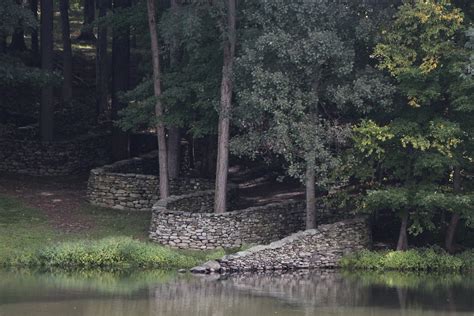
[117,238]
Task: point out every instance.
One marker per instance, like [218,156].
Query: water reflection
[170,294]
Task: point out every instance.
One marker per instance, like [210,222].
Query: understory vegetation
[429,259]
[27,239]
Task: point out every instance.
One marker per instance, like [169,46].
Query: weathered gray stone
[59,158]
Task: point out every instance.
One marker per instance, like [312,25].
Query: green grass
[429,259]
[117,240]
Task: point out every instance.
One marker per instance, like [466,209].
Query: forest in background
[373,99]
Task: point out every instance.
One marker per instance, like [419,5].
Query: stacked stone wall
[54,158]
[133,184]
[189,222]
[315,248]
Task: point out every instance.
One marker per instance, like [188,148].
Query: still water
[170,294]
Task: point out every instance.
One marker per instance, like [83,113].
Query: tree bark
[18,40]
[87,33]
[222,168]
[120,82]
[67,52]
[310,198]
[402,244]
[101,62]
[160,126]
[47,105]
[174,139]
[34,34]
[18,36]
[174,148]
[451,231]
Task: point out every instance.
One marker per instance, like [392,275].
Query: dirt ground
[61,198]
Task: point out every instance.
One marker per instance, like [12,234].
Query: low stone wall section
[315,248]
[36,158]
[132,184]
[188,222]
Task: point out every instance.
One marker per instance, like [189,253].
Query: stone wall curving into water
[315,248]
[133,184]
[31,157]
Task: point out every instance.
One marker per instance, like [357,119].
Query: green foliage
[113,252]
[192,63]
[15,16]
[412,260]
[27,239]
[297,75]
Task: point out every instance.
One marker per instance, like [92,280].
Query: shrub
[430,259]
[114,252]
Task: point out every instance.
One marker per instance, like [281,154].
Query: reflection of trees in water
[316,289]
[211,295]
[296,293]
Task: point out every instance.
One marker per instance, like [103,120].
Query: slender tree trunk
[34,33]
[160,126]
[18,41]
[174,148]
[403,235]
[87,32]
[101,62]
[67,52]
[222,168]
[18,37]
[310,198]
[3,43]
[451,231]
[47,105]
[174,139]
[120,82]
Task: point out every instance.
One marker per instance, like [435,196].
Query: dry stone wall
[55,158]
[315,248]
[133,184]
[189,222]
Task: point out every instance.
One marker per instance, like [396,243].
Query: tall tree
[120,79]
[174,137]
[160,125]
[102,74]
[87,31]
[34,33]
[47,101]
[18,36]
[67,52]
[423,50]
[296,78]
[225,107]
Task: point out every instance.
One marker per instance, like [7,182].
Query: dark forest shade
[47,100]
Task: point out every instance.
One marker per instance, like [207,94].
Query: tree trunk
[160,126]
[67,52]
[120,82]
[310,198]
[3,43]
[403,235]
[34,33]
[87,32]
[18,40]
[101,62]
[174,139]
[18,36]
[222,168]
[451,231]
[47,105]
[174,148]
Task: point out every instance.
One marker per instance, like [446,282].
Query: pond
[171,294]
